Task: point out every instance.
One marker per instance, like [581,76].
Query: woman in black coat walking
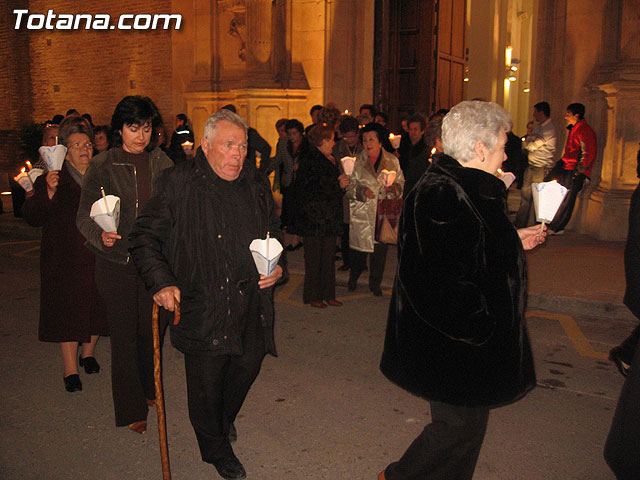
[320,184]
[71,310]
[456,333]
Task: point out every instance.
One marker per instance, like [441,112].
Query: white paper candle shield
[53,156]
[387,177]
[395,140]
[264,264]
[35,173]
[107,220]
[507,177]
[24,180]
[347,164]
[547,197]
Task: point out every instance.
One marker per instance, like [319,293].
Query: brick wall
[45,72]
[92,70]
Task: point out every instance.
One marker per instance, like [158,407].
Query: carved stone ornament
[235,6]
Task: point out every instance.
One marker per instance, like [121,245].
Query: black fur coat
[456,331]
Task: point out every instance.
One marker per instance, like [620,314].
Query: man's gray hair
[227,115]
[470,122]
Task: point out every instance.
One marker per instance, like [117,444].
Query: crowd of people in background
[332,176]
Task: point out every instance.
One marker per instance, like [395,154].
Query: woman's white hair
[470,122]
[227,115]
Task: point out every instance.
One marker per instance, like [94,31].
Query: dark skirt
[71,309]
[288,215]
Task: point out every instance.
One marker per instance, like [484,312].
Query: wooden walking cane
[157,374]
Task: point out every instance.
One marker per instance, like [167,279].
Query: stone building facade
[277,58]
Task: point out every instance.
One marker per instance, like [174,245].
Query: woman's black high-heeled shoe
[90,364]
[72,383]
[615,355]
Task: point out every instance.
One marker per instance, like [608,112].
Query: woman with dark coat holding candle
[456,334]
[71,310]
[320,184]
[127,171]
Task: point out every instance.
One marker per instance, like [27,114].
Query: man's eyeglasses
[87,145]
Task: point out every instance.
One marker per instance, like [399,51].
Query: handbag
[387,220]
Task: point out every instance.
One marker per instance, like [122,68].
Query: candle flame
[22,170]
[500,172]
[186,144]
[346,111]
[28,165]
[433,150]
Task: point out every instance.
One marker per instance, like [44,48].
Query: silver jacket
[362,210]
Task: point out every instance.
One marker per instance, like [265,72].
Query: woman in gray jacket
[364,191]
[127,171]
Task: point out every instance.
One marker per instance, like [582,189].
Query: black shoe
[233,433]
[351,286]
[72,383]
[230,468]
[90,364]
[615,355]
[376,291]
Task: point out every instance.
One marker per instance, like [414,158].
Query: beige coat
[362,210]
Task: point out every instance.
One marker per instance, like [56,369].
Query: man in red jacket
[577,162]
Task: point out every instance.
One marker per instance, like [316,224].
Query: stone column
[259,45]
[607,210]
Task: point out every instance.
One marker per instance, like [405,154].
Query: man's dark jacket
[456,331]
[184,237]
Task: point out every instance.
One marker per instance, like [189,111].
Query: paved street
[321,410]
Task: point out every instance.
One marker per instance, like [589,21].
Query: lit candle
[267,246]
[395,140]
[104,197]
[346,111]
[187,147]
[29,167]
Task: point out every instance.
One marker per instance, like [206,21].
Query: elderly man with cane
[191,245]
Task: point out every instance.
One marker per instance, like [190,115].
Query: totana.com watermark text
[98,21]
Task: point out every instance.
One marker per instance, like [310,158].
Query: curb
[578,306]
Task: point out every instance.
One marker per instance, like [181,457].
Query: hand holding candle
[53,179]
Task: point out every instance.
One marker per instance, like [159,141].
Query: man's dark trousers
[218,385]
